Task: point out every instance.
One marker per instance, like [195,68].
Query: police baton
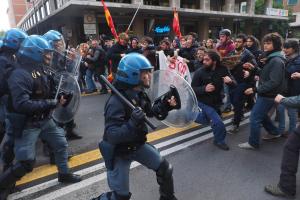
[126,101]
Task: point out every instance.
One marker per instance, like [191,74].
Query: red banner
[176,25]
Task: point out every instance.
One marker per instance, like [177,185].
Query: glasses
[249,41]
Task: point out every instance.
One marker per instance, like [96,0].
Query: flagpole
[133,17]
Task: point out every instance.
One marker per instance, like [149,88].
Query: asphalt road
[203,172]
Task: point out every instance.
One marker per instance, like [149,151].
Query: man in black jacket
[117,51]
[271,82]
[244,80]
[207,84]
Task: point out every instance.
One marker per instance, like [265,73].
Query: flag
[109,20]
[176,25]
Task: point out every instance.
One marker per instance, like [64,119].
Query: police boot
[9,178]
[68,178]
[2,131]
[165,181]
[70,134]
[7,155]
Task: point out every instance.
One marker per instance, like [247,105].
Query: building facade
[16,10]
[80,19]
[295,26]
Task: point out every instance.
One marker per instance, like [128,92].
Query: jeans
[238,99]
[259,116]
[210,114]
[227,103]
[89,80]
[292,113]
[118,178]
[49,132]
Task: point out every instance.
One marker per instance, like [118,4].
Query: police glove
[52,103]
[67,96]
[137,116]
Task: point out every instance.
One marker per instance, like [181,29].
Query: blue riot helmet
[13,38]
[56,40]
[130,68]
[36,49]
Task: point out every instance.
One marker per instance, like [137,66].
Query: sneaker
[276,191]
[226,110]
[246,145]
[222,146]
[233,130]
[268,136]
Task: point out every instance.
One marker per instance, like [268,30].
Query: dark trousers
[238,99]
[98,72]
[289,164]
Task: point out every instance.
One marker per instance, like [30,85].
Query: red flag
[176,25]
[109,20]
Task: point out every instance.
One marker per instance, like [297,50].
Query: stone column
[138,26]
[251,7]
[229,6]
[203,28]
[269,3]
[205,5]
[137,2]
[175,3]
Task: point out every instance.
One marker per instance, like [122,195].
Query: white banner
[180,67]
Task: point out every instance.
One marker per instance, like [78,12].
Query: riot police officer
[31,101]
[125,133]
[57,42]
[10,45]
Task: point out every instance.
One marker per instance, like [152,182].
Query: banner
[176,25]
[180,67]
[109,20]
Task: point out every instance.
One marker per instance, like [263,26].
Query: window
[292,2]
[157,3]
[37,13]
[190,4]
[217,5]
[42,12]
[47,8]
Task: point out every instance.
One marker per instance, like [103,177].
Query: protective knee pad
[165,179]
[120,197]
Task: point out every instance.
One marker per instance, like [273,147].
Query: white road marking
[94,179]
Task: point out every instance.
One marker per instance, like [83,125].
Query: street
[201,171]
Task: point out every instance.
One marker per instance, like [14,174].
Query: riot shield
[65,61]
[69,85]
[162,81]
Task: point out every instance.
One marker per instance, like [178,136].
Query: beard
[208,67]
